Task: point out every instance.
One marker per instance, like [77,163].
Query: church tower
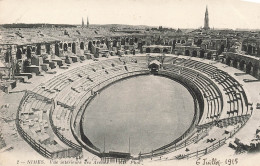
[87,23]
[206,19]
[82,24]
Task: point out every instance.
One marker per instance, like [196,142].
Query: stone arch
[122,41]
[73,48]
[228,61]
[242,65]
[156,50]
[114,43]
[165,50]
[244,48]
[199,42]
[235,63]
[65,47]
[38,49]
[131,41]
[29,52]
[249,67]
[173,44]
[7,57]
[48,48]
[255,70]
[57,50]
[187,53]
[148,50]
[250,49]
[194,53]
[81,45]
[90,45]
[209,55]
[136,40]
[19,53]
[202,52]
[222,48]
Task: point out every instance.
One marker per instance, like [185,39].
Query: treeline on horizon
[22,25]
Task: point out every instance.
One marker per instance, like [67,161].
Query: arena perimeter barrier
[213,147]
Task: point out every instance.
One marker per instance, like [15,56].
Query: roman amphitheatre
[118,94]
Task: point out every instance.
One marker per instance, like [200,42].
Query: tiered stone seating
[212,100]
[237,99]
[61,121]
[34,120]
[169,59]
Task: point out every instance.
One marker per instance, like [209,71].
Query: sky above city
[167,13]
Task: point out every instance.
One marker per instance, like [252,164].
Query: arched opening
[65,47]
[127,39]
[81,46]
[131,42]
[199,42]
[235,62]
[114,43]
[194,53]
[90,45]
[69,44]
[57,52]
[98,43]
[222,47]
[29,52]
[19,54]
[244,48]
[154,66]
[165,51]
[183,41]
[255,70]
[26,64]
[173,44]
[242,65]
[60,45]
[7,57]
[202,52]
[178,41]
[250,50]
[156,50]
[249,67]
[122,41]
[38,49]
[228,61]
[48,48]
[74,48]
[148,50]
[187,53]
[209,55]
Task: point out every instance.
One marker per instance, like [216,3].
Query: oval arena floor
[56,86]
[150,110]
